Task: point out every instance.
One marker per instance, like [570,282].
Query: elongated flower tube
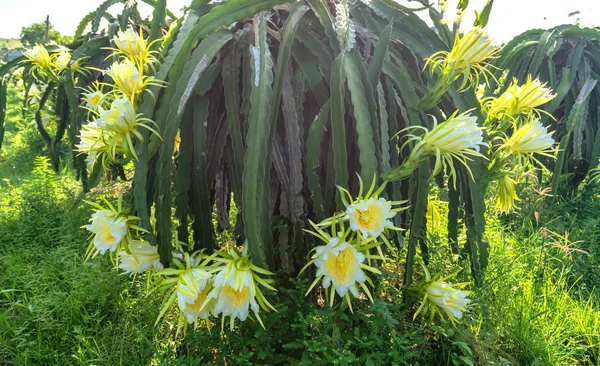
[531,138]
[236,288]
[126,76]
[467,58]
[457,138]
[442,296]
[141,257]
[519,99]
[111,228]
[340,264]
[193,287]
[507,194]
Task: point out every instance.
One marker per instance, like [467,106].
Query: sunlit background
[509,17]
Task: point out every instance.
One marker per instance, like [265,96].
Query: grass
[54,307]
[540,304]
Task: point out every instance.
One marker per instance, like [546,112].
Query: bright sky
[509,17]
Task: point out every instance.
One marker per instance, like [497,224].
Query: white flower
[38,55]
[234,292]
[193,287]
[143,256]
[92,142]
[126,77]
[340,264]
[94,100]
[370,217]
[120,118]
[455,135]
[45,119]
[109,230]
[530,138]
[519,99]
[130,42]
[473,48]
[62,61]
[447,298]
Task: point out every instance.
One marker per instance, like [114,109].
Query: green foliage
[565,57]
[36,34]
[54,307]
[302,334]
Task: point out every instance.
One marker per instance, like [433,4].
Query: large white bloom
[109,230]
[38,55]
[455,136]
[473,48]
[340,263]
[120,118]
[447,298]
[143,256]
[92,142]
[127,77]
[234,292]
[520,99]
[530,138]
[193,287]
[130,42]
[370,217]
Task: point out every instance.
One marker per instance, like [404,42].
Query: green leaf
[181,91]
[257,161]
[100,11]
[381,50]
[580,104]
[314,145]
[560,163]
[321,9]
[338,128]
[418,225]
[83,24]
[3,98]
[158,18]
[201,206]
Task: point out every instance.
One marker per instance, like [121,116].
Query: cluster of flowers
[515,111]
[46,66]
[225,283]
[512,123]
[115,125]
[356,236]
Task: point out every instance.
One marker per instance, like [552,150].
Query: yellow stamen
[341,267]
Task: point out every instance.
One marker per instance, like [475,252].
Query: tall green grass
[56,309]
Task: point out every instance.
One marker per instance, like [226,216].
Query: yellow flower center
[195,307]
[106,236]
[341,267]
[95,100]
[237,297]
[370,218]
